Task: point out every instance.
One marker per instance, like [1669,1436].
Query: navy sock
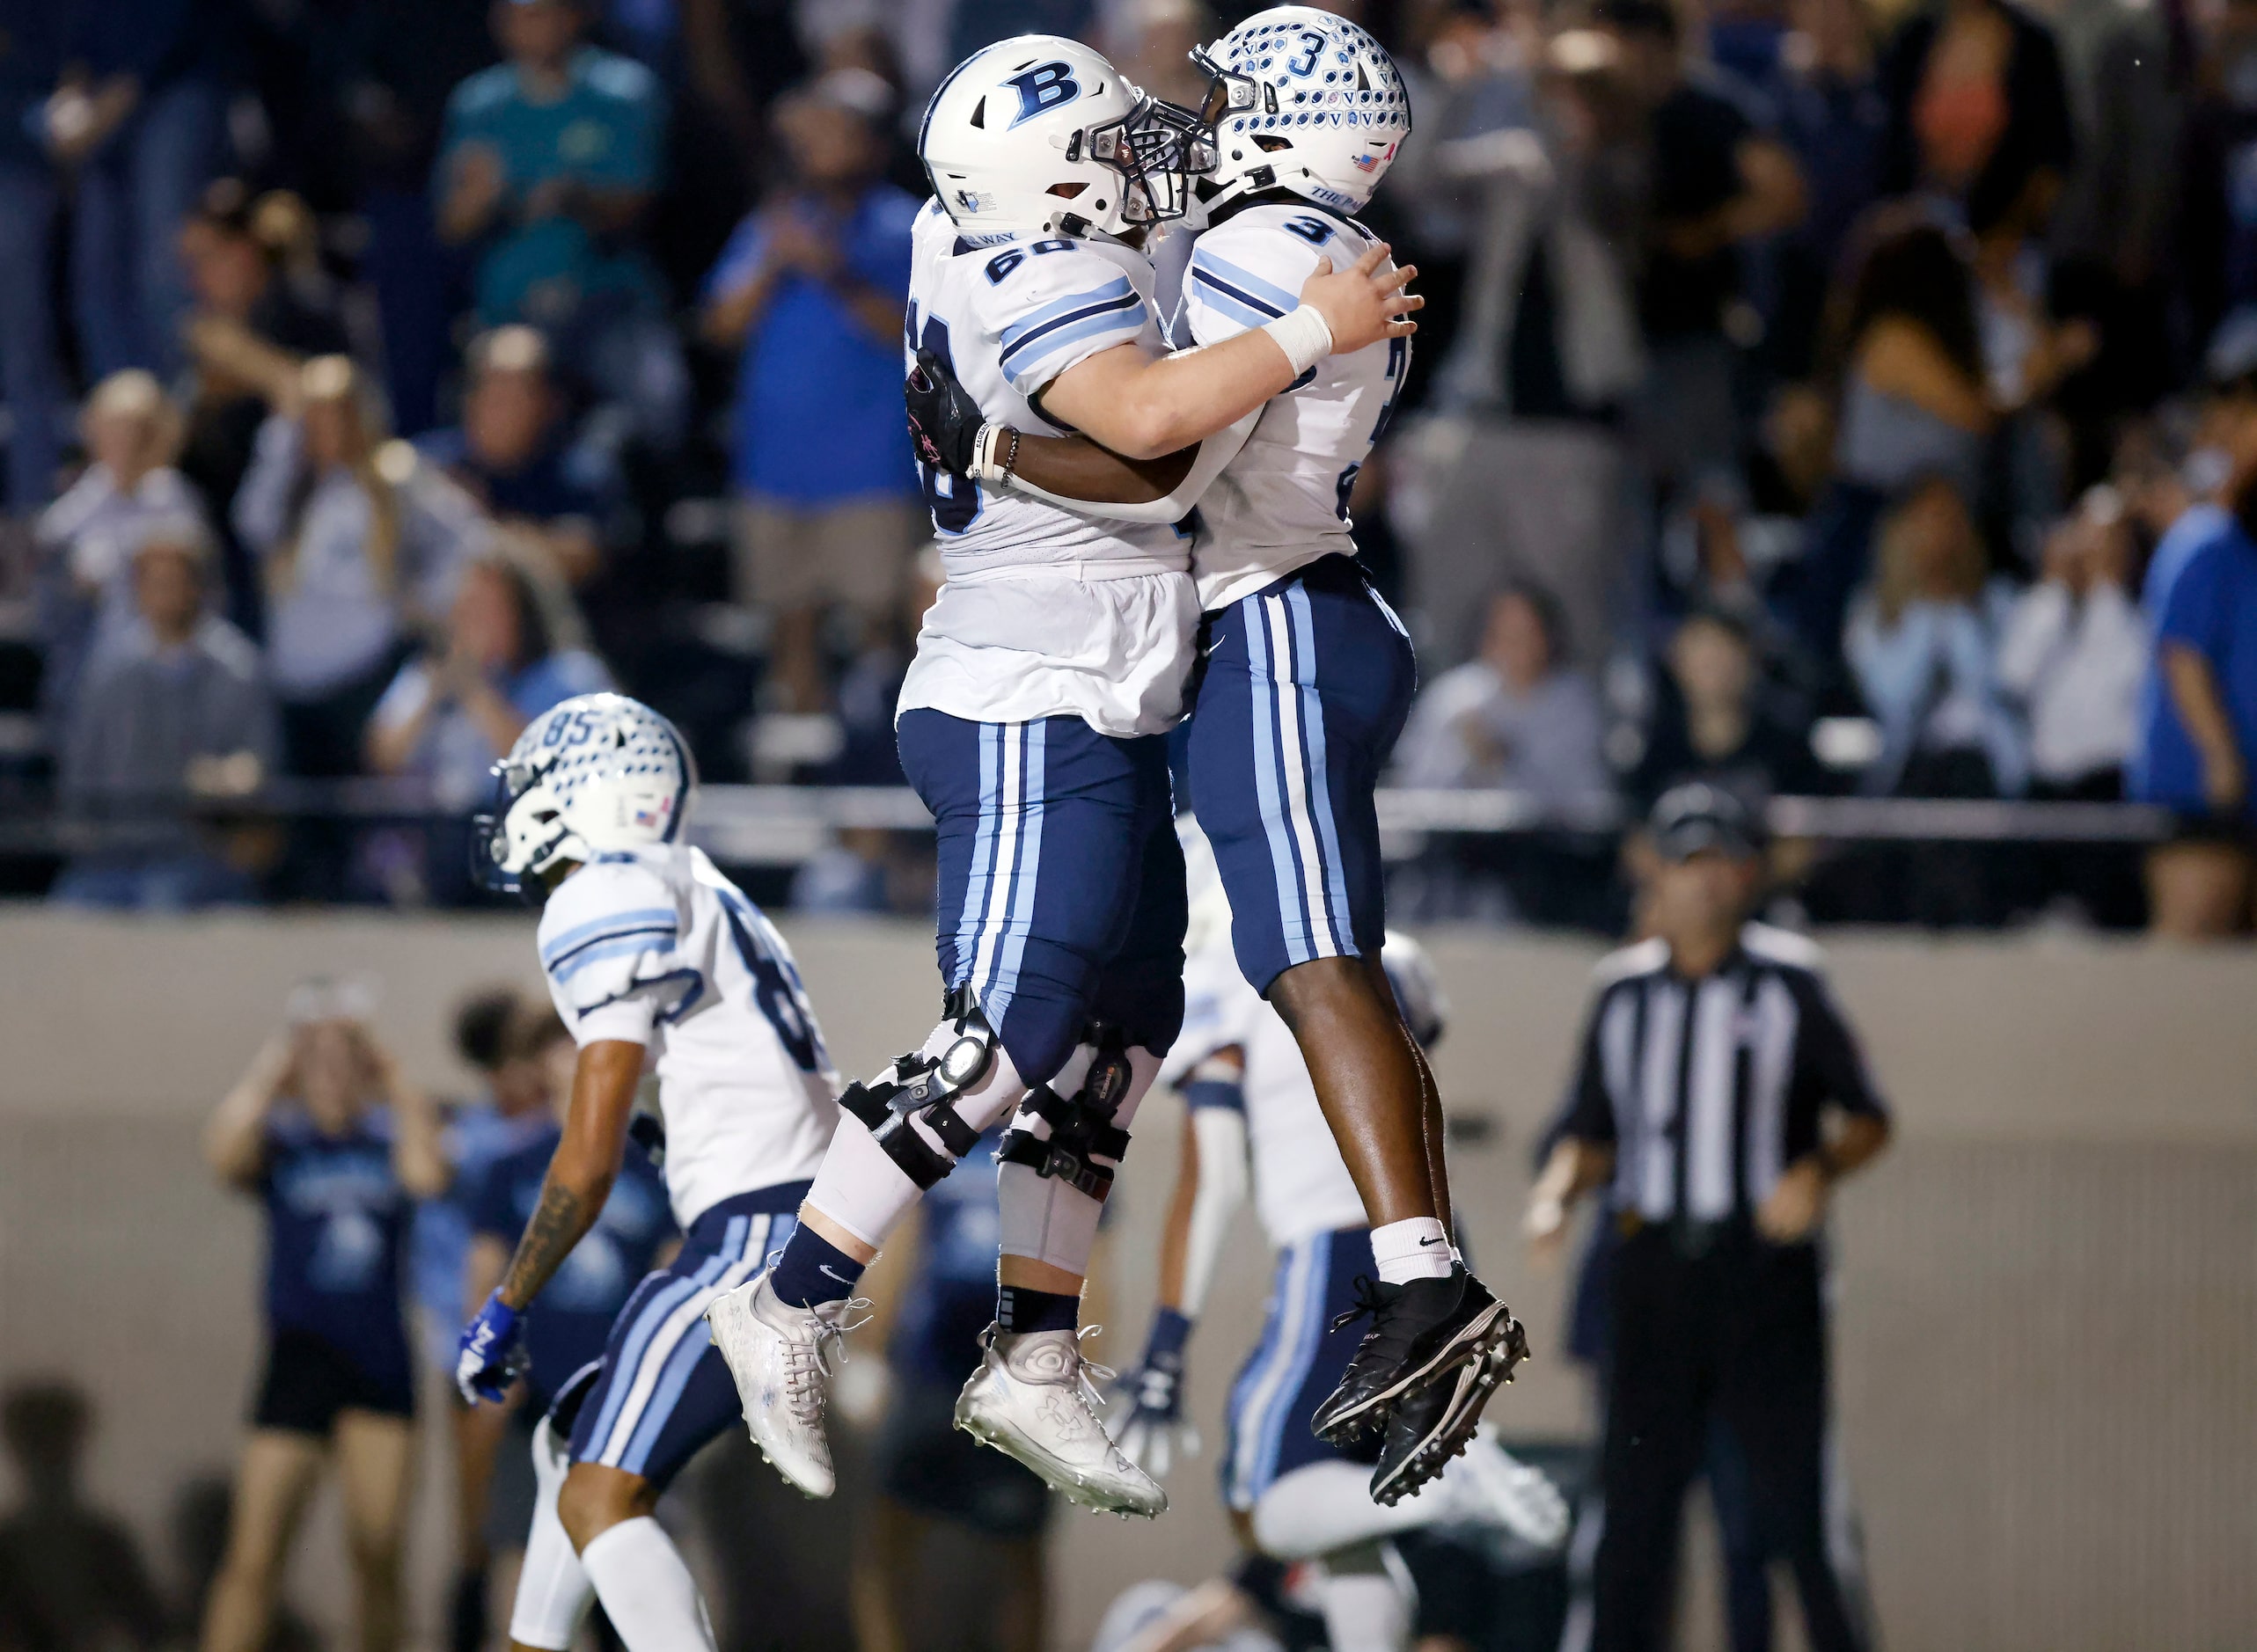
[812,1270]
[1019,1310]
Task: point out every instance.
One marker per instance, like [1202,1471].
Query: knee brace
[922,1086]
[1076,1130]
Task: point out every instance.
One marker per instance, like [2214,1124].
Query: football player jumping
[1055,657]
[1306,676]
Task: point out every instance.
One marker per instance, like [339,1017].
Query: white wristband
[985,467]
[1304,335]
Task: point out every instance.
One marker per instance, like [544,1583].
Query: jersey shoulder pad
[1774,945]
[611,901]
[1051,303]
[1629,962]
[1249,269]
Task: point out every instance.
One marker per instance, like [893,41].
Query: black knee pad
[921,1086]
[1081,1125]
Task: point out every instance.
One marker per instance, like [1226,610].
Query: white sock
[862,1189]
[1042,1217]
[647,1591]
[1417,1249]
[552,1587]
[1368,1604]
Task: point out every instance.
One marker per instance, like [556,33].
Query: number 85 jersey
[653,946]
[1283,501]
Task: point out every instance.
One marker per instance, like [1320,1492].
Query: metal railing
[785,825]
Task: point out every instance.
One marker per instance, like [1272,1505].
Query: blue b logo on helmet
[1044,87]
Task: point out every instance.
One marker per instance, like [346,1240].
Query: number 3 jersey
[1282,500]
[655,948]
[1047,611]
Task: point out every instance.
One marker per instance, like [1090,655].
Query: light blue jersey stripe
[1285,863]
[1026,372]
[1206,262]
[746,1244]
[1302,623]
[625,945]
[640,918]
[983,852]
[1263,1399]
[1116,288]
[620,1378]
[1021,917]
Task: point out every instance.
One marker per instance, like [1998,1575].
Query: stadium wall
[2048,1329]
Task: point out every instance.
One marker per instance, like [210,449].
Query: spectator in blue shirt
[2198,705]
[514,453]
[547,168]
[811,286]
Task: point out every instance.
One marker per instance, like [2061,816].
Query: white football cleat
[1032,1400]
[779,1357]
[1489,1485]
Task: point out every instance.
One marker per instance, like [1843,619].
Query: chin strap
[921,1087]
[1081,1125]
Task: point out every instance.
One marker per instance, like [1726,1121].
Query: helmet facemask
[1230,93]
[524,834]
[1157,148]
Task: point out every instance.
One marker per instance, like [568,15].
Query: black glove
[944,421]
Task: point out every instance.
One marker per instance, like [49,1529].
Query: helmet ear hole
[979,115]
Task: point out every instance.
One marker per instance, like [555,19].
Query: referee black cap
[1692,818]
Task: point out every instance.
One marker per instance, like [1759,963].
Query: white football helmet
[598,773]
[1417,989]
[1302,100]
[1039,135]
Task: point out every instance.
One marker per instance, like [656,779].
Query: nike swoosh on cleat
[1424,1242]
[824,1269]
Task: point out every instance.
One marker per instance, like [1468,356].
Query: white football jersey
[654,946]
[1282,500]
[1046,610]
[1301,1185]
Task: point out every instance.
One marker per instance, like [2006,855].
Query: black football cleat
[1422,1332]
[1431,1425]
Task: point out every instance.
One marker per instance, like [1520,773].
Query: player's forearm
[1145,406]
[1221,1189]
[572,1196]
[1176,1230]
[1075,467]
[585,1165]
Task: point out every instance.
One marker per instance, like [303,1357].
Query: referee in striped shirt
[1720,1095]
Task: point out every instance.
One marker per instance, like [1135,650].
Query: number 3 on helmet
[1039,135]
[1302,101]
[596,774]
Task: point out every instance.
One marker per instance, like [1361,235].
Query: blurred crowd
[1805,390]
